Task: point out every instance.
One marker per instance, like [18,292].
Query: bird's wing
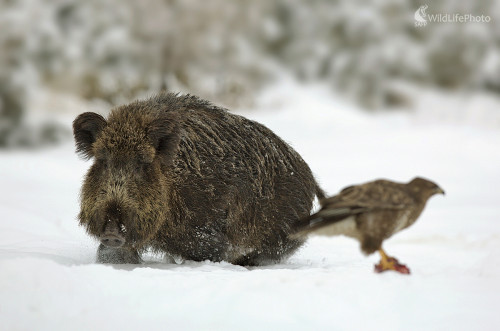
[380,194]
[355,200]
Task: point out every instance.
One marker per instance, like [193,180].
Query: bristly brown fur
[190,179]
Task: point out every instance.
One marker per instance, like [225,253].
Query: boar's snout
[112,235]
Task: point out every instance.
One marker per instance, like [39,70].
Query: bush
[226,51]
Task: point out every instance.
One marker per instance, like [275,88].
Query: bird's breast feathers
[402,222]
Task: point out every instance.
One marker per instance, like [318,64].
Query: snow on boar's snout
[183,177]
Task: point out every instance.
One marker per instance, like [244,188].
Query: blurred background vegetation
[114,51]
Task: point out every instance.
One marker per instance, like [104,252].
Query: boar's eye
[102,163]
[102,160]
[140,166]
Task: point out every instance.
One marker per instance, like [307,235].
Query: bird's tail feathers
[324,218]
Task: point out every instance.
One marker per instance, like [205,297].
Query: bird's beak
[439,191]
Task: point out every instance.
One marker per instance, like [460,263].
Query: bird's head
[424,187]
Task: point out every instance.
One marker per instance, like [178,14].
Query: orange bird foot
[391,264]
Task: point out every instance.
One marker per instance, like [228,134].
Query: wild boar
[180,176]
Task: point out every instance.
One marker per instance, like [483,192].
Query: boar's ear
[86,128]
[164,134]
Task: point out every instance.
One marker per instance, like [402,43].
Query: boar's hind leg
[117,255]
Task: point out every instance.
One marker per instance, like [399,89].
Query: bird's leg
[390,263]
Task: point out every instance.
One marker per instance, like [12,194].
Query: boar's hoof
[117,255]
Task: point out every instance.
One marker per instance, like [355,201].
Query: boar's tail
[320,193]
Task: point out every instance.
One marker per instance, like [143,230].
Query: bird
[371,213]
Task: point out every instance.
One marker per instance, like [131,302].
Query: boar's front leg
[117,255]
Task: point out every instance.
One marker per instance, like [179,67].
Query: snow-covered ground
[49,281]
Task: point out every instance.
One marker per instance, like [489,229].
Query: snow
[49,281]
